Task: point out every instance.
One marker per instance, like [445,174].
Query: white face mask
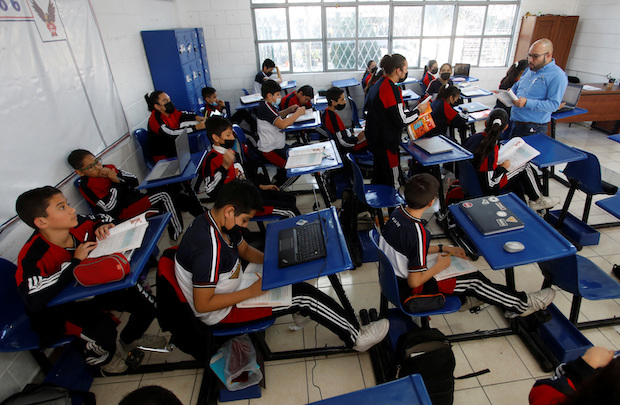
[277,102]
[436,206]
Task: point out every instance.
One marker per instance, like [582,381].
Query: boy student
[301,97]
[45,267]
[213,104]
[222,165]
[406,243]
[113,192]
[208,269]
[270,122]
[265,74]
[347,141]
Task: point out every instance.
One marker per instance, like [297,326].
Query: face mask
[213,103]
[169,107]
[229,143]
[340,107]
[269,73]
[445,76]
[235,229]
[277,102]
[434,71]
[404,78]
[373,70]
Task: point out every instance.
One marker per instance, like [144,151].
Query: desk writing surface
[552,151]
[332,160]
[541,240]
[338,258]
[189,173]
[457,153]
[288,85]
[346,83]
[76,291]
[410,95]
[568,114]
[409,80]
[248,106]
[305,125]
[601,105]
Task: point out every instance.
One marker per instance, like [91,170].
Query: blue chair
[582,278]
[355,118]
[468,179]
[253,156]
[142,135]
[389,288]
[376,196]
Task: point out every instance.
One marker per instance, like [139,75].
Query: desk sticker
[493,199]
[500,206]
[501,222]
[501,214]
[467,205]
[512,219]
[301,222]
[485,202]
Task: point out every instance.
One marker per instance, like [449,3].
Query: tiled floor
[513,370]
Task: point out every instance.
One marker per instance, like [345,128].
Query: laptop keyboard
[172,168]
[310,243]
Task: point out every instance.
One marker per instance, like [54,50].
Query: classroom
[96,84]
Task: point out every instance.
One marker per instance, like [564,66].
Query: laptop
[490,216]
[433,146]
[461,69]
[169,168]
[571,97]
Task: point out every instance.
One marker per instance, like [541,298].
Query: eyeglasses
[536,55]
[91,166]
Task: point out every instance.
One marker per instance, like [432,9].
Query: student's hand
[455,251]
[300,111]
[82,251]
[229,158]
[200,118]
[109,174]
[520,102]
[292,108]
[443,261]
[256,289]
[201,124]
[268,187]
[103,231]
[598,357]
[361,136]
[505,164]
[221,103]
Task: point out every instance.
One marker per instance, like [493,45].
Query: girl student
[430,70]
[444,115]
[444,77]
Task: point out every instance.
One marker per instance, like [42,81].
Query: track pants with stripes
[162,201]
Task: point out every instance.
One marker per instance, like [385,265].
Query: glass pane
[270,23]
[341,55]
[438,49]
[371,50]
[438,20]
[470,20]
[373,21]
[305,22]
[500,19]
[466,50]
[267,1]
[307,56]
[494,51]
[409,48]
[340,22]
[304,1]
[407,21]
[276,51]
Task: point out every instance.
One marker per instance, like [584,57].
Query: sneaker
[150,341]
[538,300]
[371,334]
[471,302]
[300,320]
[115,366]
[544,203]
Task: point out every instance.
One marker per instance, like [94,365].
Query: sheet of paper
[473,91]
[277,297]
[120,242]
[457,267]
[303,157]
[587,87]
[507,97]
[251,98]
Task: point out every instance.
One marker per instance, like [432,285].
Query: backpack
[48,394]
[427,352]
[348,221]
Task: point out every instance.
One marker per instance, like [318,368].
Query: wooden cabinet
[559,29]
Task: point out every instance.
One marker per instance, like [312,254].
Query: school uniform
[258,81]
[292,99]
[567,379]
[444,116]
[163,130]
[427,78]
[347,141]
[434,86]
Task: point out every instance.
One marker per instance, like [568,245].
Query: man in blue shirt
[540,91]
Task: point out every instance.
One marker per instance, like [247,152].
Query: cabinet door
[184,40]
[545,27]
[563,39]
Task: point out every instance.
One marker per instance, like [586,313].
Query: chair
[250,150]
[355,118]
[389,288]
[376,196]
[584,175]
[580,277]
[141,135]
[468,179]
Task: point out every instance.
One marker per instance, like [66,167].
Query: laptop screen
[572,93]
[461,69]
[183,152]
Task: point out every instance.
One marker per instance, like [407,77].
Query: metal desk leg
[545,179]
[320,180]
[344,300]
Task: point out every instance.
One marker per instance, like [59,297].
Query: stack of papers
[587,87]
[457,267]
[276,297]
[304,156]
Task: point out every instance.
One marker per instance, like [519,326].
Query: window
[328,35]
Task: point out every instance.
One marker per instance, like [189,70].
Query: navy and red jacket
[291,99]
[492,177]
[164,130]
[445,115]
[427,78]
[567,379]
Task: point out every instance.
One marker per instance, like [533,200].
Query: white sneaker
[471,302]
[115,366]
[544,203]
[371,334]
[538,300]
[150,341]
[300,320]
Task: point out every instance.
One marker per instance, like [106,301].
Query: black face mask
[234,230]
[169,107]
[434,71]
[229,143]
[373,70]
[445,76]
[340,107]
[404,78]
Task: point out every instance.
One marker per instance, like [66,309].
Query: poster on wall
[47,20]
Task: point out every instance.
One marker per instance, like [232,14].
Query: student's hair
[495,124]
[270,87]
[513,73]
[268,63]
[306,90]
[208,92]
[241,194]
[429,64]
[420,190]
[333,94]
[446,64]
[389,63]
[216,125]
[150,395]
[33,204]
[152,99]
[601,388]
[369,62]
[374,79]
[76,158]
[448,90]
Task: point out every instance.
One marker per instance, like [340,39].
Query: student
[374,78]
[444,77]
[494,178]
[302,98]
[512,76]
[214,105]
[270,122]
[265,74]
[45,267]
[208,268]
[371,69]
[444,115]
[222,165]
[113,192]
[150,395]
[406,242]
[430,70]
[165,125]
[347,141]
[386,118]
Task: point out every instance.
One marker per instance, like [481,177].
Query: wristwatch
[440,248]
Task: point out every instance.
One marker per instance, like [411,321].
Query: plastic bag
[235,364]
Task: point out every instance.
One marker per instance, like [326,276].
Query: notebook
[490,216]
[251,98]
[474,107]
[571,97]
[461,69]
[170,168]
[434,145]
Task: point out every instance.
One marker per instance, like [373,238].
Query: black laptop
[490,216]
[571,97]
[461,69]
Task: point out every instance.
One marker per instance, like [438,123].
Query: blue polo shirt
[543,89]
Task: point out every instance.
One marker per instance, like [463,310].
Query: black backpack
[427,352]
[348,221]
